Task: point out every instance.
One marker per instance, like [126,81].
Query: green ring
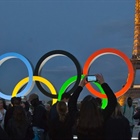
[104,101]
[73,79]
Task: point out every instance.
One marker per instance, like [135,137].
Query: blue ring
[10,55]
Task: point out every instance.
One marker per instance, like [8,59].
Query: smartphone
[91,78]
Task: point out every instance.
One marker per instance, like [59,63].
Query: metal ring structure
[11,55]
[104,51]
[64,87]
[47,57]
[73,79]
[35,78]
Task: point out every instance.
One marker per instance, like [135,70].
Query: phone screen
[91,78]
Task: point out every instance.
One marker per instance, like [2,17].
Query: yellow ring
[35,78]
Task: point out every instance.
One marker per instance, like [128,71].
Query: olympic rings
[50,55]
[7,56]
[35,78]
[104,51]
[64,87]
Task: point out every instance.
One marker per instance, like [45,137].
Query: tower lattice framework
[134,91]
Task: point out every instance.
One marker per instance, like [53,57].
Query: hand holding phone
[100,78]
[91,78]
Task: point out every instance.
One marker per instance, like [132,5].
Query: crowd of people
[30,120]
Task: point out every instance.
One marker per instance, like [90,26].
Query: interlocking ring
[72,80]
[35,78]
[11,55]
[30,80]
[47,57]
[104,51]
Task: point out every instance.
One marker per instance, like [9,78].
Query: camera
[91,78]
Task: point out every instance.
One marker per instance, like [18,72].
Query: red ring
[104,51]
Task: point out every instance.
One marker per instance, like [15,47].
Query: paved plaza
[136,130]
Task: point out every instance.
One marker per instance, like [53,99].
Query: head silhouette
[65,97]
[90,119]
[129,101]
[62,110]
[117,112]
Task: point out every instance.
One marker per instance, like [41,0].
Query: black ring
[46,56]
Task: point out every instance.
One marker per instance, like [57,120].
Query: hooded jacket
[128,112]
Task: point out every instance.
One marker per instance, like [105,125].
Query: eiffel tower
[134,91]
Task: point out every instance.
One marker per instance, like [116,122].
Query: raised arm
[73,99]
[112,101]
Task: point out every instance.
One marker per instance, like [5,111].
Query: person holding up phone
[91,120]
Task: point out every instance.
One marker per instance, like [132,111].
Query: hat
[32,97]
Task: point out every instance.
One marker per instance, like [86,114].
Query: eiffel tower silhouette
[134,91]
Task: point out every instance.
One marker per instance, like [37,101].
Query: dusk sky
[34,27]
